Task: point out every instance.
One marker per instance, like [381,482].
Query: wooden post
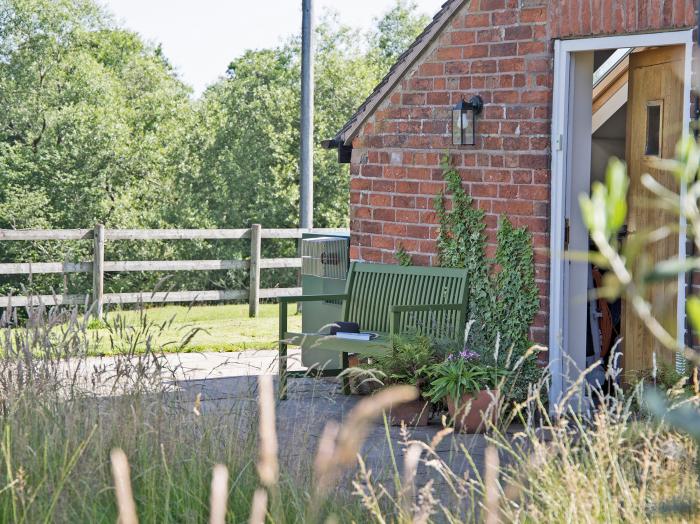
[98,271]
[300,305]
[254,281]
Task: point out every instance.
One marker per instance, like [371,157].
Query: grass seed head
[268,467]
[354,430]
[218,499]
[122,486]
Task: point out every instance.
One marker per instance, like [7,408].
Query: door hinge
[566,234]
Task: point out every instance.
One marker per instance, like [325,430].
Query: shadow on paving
[311,404]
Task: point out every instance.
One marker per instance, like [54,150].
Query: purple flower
[466,354]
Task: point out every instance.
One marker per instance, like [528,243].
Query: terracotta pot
[414,413]
[472,408]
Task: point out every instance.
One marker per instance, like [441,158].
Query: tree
[96,127]
[251,159]
[395,31]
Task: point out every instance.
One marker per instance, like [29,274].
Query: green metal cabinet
[325,262]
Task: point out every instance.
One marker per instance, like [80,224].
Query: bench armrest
[284,302]
[312,298]
[396,311]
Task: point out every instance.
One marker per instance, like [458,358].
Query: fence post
[300,305]
[98,271]
[254,282]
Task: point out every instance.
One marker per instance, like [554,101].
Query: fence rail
[157,234]
[98,266]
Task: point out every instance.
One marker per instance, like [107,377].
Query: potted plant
[468,386]
[408,362]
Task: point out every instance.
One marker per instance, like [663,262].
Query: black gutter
[344,152]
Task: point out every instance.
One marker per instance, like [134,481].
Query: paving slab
[224,387]
[227,383]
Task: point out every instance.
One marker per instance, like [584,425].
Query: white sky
[200,37]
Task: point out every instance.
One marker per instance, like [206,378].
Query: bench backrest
[373,288]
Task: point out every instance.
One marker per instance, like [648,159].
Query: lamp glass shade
[457,127]
[463,124]
[468,135]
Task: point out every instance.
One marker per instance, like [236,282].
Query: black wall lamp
[464,121]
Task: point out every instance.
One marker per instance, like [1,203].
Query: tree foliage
[97,127]
[396,30]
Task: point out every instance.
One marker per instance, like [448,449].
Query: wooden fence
[99,266]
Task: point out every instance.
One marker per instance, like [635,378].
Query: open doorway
[638,117]
[629,100]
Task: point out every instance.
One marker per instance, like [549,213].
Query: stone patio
[227,384]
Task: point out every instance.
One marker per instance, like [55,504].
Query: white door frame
[561,171]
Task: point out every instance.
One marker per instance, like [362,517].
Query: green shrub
[462,373]
[96,323]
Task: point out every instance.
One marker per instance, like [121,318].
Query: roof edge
[397,71]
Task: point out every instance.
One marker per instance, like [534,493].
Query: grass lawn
[219,328]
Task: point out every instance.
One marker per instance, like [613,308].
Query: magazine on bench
[356,336]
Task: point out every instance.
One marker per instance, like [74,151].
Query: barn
[565,84]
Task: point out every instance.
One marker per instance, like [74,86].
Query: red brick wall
[502,50]
[571,18]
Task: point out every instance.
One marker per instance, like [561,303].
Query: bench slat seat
[388,300]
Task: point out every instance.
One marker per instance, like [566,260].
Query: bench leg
[282,371]
[346,380]
[282,352]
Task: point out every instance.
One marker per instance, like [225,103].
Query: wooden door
[654,126]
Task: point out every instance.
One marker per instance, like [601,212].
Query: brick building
[534,63]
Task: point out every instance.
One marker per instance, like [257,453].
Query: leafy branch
[605,213]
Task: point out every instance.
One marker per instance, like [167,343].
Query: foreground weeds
[611,464]
[93,440]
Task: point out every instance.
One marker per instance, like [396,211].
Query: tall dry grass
[88,441]
[64,412]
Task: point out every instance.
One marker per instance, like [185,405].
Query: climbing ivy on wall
[462,243]
[402,256]
[504,297]
[516,294]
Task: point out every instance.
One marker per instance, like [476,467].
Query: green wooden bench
[388,300]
